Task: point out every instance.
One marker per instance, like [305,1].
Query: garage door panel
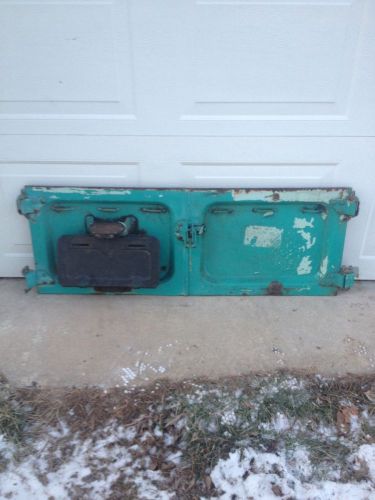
[259,60]
[199,68]
[195,162]
[264,68]
[288,174]
[66,60]
[368,247]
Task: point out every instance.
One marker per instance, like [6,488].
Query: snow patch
[254,474]
[280,423]
[93,466]
[228,418]
[366,455]
[141,370]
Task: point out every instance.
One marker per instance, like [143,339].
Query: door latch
[189,232]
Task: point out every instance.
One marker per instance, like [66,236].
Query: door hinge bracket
[347,208]
[189,232]
[344,279]
[29,207]
[36,278]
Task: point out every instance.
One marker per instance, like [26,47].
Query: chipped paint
[268,213]
[305,266]
[309,240]
[324,266]
[82,190]
[291,195]
[302,223]
[286,236]
[263,236]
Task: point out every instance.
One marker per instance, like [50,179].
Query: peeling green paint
[309,239]
[263,236]
[84,191]
[305,266]
[302,223]
[291,195]
[324,266]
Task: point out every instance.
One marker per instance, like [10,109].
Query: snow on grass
[255,437]
[63,469]
[279,423]
[265,476]
[365,456]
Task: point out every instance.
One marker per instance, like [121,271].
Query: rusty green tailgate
[212,241]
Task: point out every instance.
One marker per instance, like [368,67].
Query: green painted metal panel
[212,241]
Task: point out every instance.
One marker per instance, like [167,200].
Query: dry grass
[193,413]
[12,421]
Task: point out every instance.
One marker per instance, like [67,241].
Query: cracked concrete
[109,340]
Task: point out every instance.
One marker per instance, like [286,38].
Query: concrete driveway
[109,340]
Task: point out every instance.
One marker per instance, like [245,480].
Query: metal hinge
[344,279]
[188,233]
[29,207]
[36,278]
[347,208]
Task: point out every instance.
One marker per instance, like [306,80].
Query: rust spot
[275,288]
[346,270]
[275,196]
[102,229]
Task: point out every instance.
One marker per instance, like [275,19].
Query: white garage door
[255,93]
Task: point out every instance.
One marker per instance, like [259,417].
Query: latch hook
[104,228]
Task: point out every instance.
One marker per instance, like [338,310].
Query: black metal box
[124,263]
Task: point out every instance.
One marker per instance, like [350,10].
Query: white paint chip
[324,266]
[294,195]
[305,266]
[263,236]
[309,240]
[302,222]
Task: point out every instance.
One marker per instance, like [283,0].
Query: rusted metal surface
[102,228]
[275,288]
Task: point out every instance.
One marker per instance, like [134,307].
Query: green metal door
[212,242]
